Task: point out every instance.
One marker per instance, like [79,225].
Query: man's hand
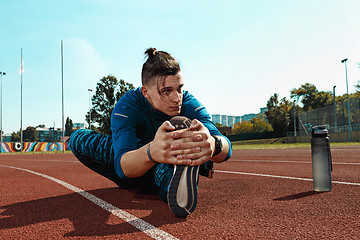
[194,145]
[161,147]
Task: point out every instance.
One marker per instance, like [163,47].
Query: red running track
[257,194]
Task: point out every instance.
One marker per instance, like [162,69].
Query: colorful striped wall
[33,146]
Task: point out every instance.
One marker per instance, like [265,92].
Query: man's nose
[176,97]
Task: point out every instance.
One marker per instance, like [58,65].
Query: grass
[286,145]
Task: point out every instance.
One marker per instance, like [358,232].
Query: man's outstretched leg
[95,151]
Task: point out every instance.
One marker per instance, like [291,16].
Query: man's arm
[136,163]
[224,152]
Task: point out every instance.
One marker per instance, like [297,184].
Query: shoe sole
[182,193]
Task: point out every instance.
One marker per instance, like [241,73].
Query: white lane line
[38,160]
[140,224]
[278,161]
[284,177]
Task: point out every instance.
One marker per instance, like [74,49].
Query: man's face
[169,99]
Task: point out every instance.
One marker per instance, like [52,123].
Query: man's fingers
[188,135]
[196,125]
[166,126]
[178,160]
[186,152]
[199,161]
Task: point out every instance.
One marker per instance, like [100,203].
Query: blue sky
[234,54]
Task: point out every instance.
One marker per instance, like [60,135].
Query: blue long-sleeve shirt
[134,122]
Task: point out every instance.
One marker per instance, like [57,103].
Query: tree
[243,127]
[68,127]
[15,137]
[108,91]
[30,134]
[311,97]
[278,114]
[218,125]
[357,86]
[260,125]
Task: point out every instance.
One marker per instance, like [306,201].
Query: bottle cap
[319,131]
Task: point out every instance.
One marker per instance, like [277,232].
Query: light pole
[335,123]
[90,90]
[347,90]
[62,96]
[1,128]
[294,118]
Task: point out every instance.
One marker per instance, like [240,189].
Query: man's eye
[167,92]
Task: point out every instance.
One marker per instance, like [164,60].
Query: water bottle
[321,159]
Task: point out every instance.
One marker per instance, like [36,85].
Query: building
[6,137]
[263,110]
[216,118]
[79,126]
[231,121]
[225,120]
[248,117]
[49,134]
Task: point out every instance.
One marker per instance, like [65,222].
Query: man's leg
[162,177]
[95,151]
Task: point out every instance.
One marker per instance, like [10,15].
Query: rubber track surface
[232,205]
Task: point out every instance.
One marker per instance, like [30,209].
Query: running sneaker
[207,169]
[182,191]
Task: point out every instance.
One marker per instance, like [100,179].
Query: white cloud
[82,63]
[83,68]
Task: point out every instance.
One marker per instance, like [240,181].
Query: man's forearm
[136,163]
[223,154]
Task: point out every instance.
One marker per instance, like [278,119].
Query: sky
[234,55]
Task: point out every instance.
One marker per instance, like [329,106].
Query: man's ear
[144,91]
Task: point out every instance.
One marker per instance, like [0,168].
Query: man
[146,150]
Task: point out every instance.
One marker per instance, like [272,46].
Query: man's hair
[159,64]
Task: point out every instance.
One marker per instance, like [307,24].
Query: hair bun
[150,52]
[158,63]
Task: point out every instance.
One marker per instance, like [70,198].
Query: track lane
[230,206]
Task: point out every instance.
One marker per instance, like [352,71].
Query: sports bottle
[321,159]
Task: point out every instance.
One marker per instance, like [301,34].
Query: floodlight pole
[347,90]
[294,119]
[62,95]
[1,128]
[90,90]
[335,123]
[21,100]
